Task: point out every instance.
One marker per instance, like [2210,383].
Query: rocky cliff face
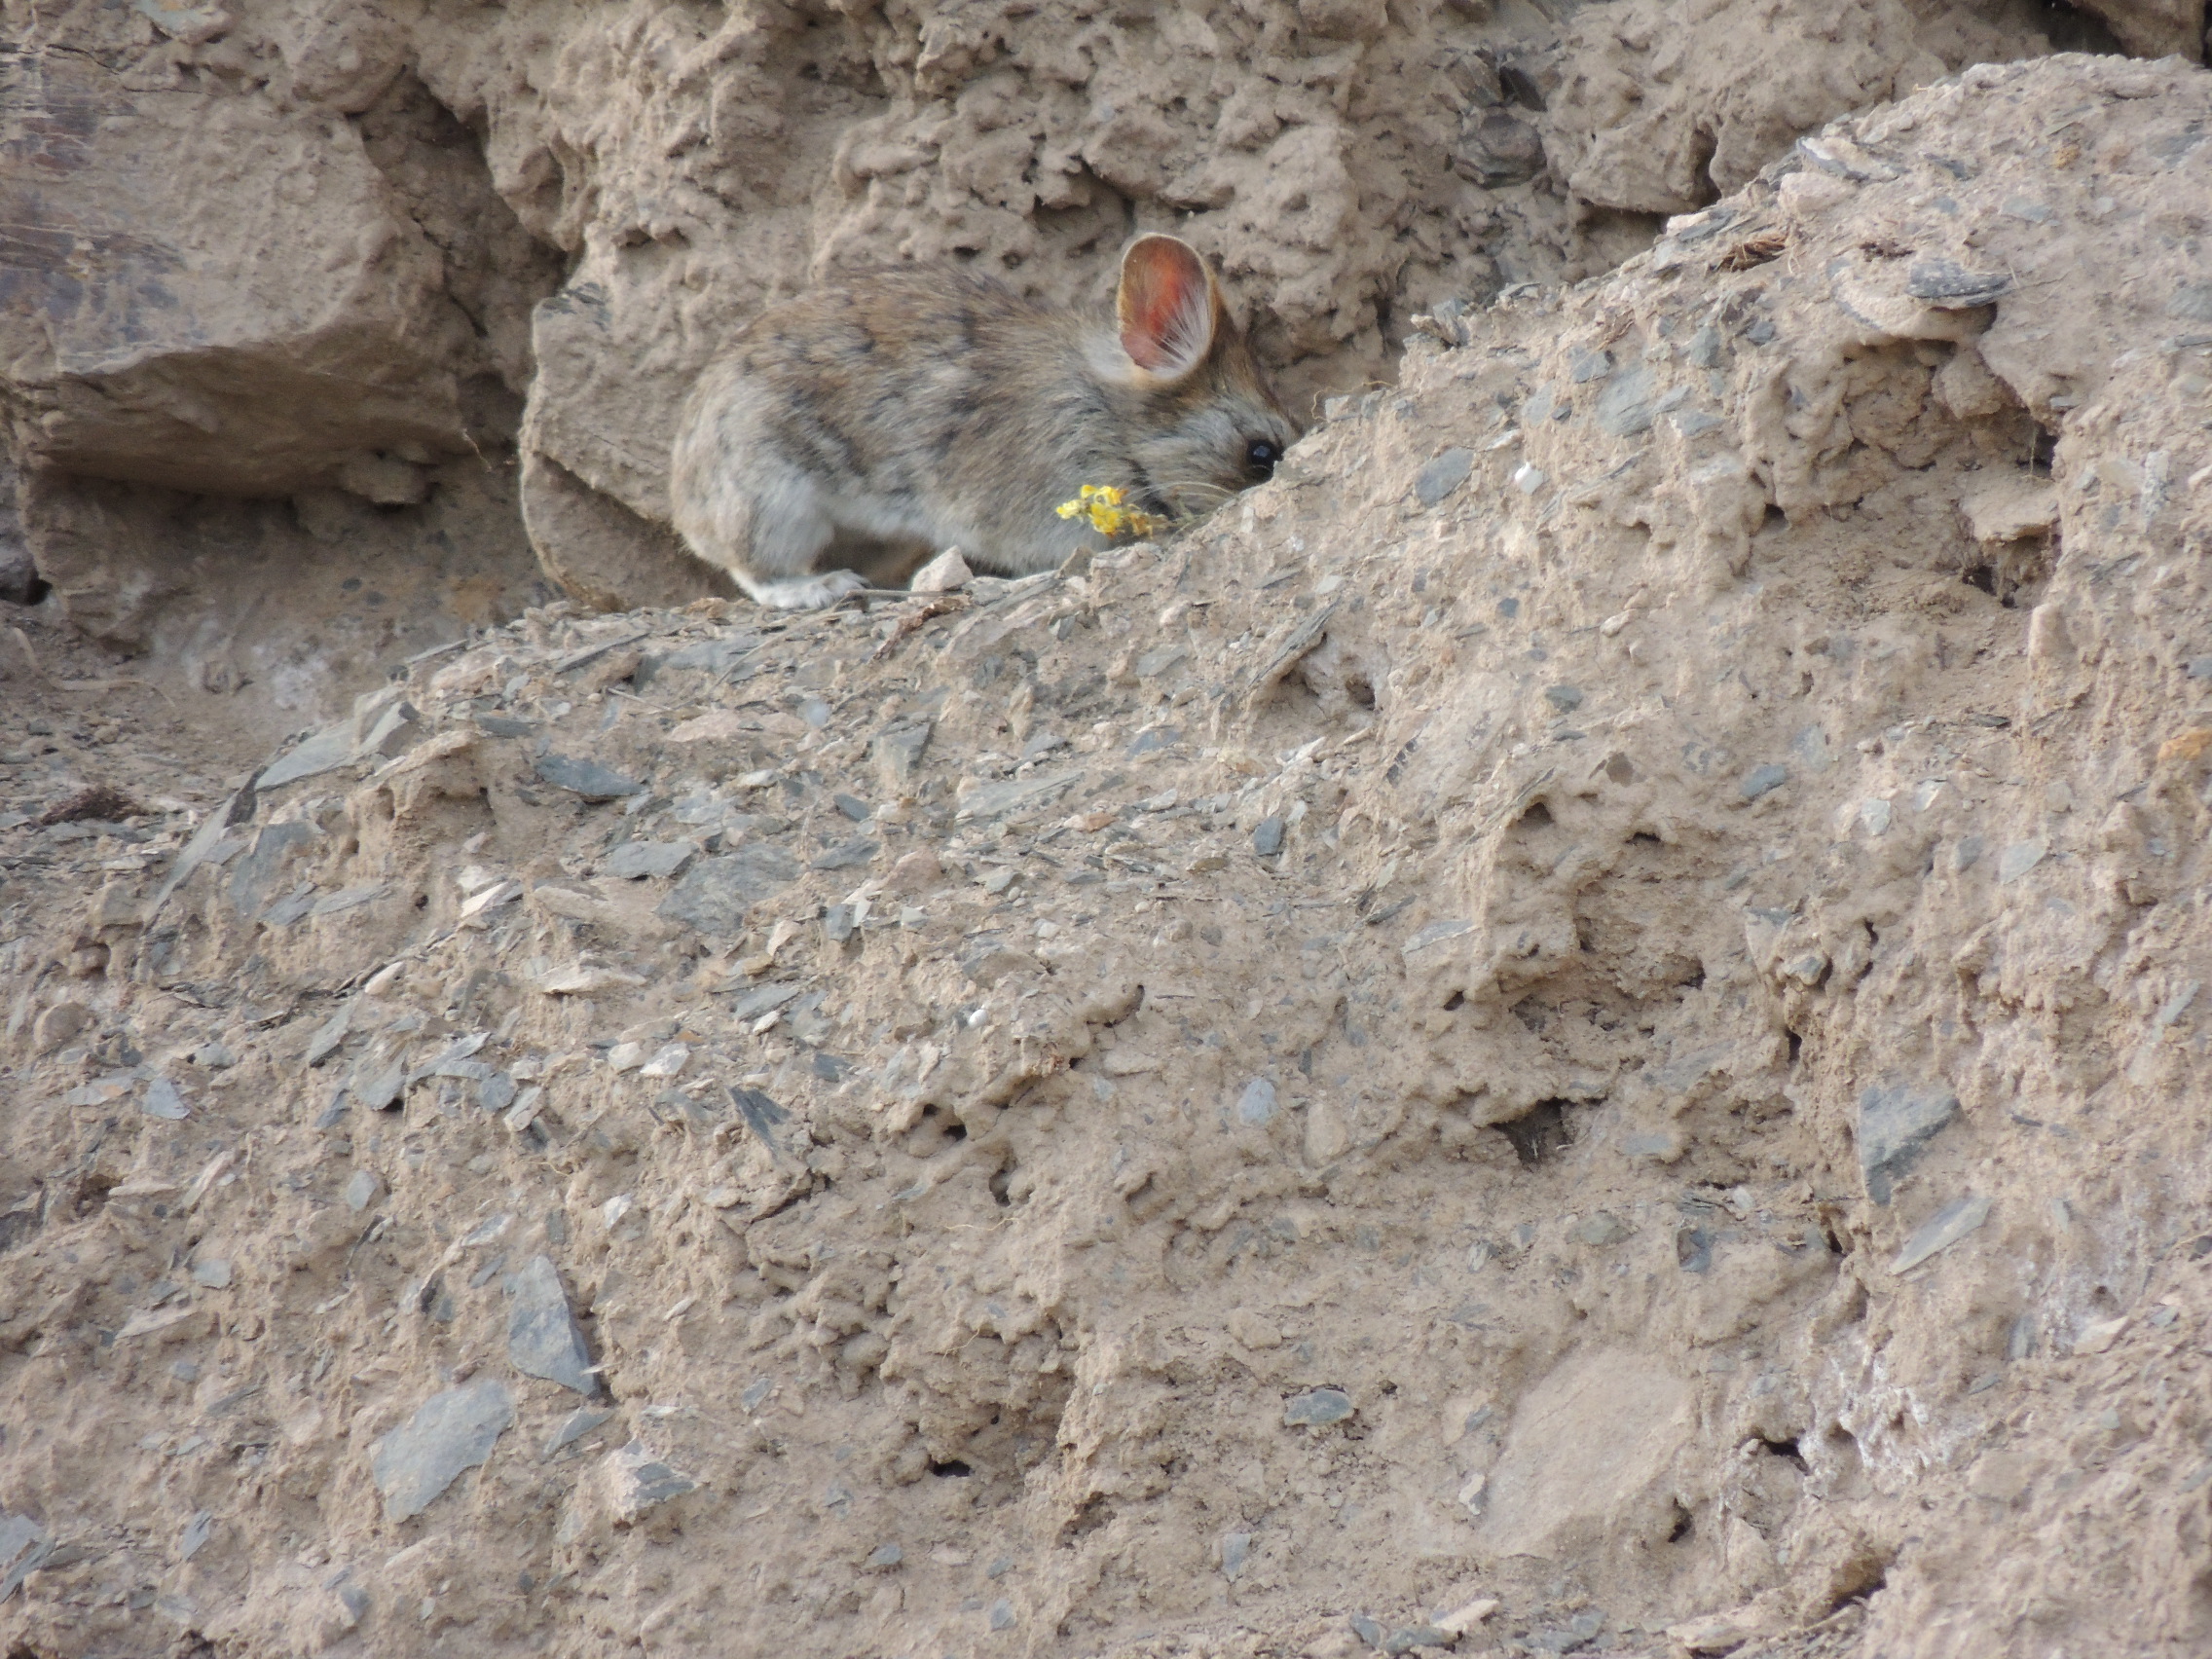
[1574,1027]
[397,265]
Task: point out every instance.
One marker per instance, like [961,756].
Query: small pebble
[668,1062]
[1318,1408]
[947,573]
[1257,1104]
[1235,1554]
[1763,779]
[1405,1639]
[1601,1229]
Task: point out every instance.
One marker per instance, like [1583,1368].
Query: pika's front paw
[804,593]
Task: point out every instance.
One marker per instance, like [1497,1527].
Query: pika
[865,426]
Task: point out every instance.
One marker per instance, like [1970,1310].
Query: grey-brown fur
[869,424]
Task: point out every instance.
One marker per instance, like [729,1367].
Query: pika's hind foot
[803,593]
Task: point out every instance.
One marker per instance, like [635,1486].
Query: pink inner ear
[1167,309]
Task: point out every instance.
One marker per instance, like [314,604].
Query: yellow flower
[1103,505]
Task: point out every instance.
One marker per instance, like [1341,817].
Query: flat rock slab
[1941,1230]
[23,1546]
[762,1115]
[450,1432]
[717,893]
[543,1339]
[635,861]
[1442,475]
[587,778]
[990,801]
[575,1426]
[766,1000]
[163,1100]
[324,752]
[1588,1456]
[1894,1122]
[848,855]
[898,751]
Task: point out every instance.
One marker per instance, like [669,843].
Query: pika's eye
[1261,456]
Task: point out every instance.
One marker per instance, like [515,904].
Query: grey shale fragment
[543,1339]
[1949,287]
[1762,780]
[1894,1122]
[163,1100]
[450,1432]
[762,1115]
[1256,1105]
[1236,1553]
[1941,1230]
[1442,475]
[847,855]
[637,1481]
[1316,1407]
[379,1087]
[898,751]
[1017,795]
[575,1426]
[198,1530]
[327,1037]
[716,893]
[636,861]
[587,778]
[24,1546]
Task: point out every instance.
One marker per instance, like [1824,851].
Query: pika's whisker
[1181,485]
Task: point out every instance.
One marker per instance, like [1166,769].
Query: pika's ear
[1169,307]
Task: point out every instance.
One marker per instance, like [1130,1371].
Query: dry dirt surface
[1578,1027]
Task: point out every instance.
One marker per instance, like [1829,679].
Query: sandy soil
[1575,1027]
